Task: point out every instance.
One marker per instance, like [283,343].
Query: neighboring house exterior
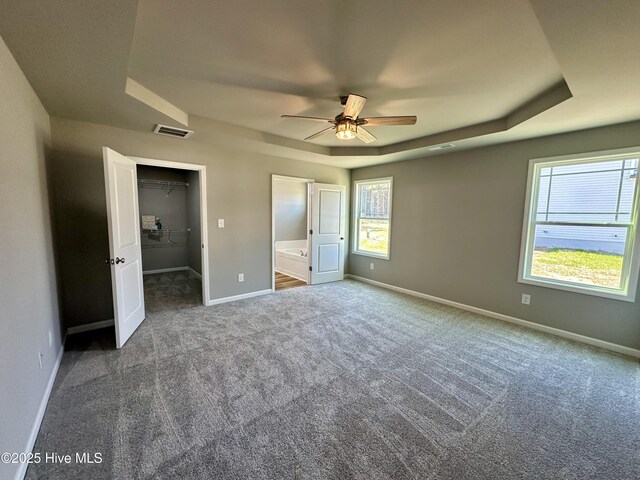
[593,193]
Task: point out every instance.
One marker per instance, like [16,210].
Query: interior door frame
[288,178]
[204,230]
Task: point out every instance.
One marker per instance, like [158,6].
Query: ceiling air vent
[441,147]
[172,131]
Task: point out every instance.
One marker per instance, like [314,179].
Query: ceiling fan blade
[316,119]
[379,121]
[354,105]
[319,133]
[364,135]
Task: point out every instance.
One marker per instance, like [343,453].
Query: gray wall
[194,251]
[27,274]
[456,229]
[171,208]
[290,208]
[238,190]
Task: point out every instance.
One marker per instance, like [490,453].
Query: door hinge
[310,232]
[310,268]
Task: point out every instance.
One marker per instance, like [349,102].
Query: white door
[121,182]
[327,237]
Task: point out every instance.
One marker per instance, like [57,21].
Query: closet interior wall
[165,228]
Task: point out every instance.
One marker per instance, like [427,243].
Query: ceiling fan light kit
[348,125]
[346,130]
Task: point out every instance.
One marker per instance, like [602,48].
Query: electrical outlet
[40,355]
[371,266]
[221,223]
[526,299]
[50,339]
[241,277]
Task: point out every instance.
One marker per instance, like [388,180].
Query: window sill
[368,254]
[595,291]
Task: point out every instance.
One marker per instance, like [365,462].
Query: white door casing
[328,227]
[121,185]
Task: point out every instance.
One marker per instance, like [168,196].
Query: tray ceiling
[474,72]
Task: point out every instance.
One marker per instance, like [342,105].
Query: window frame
[356,217]
[631,256]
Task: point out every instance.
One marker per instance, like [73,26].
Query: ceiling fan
[349,125]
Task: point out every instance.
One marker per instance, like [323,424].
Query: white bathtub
[292,260]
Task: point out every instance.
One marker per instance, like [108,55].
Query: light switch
[221,223]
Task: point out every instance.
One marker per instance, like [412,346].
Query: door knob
[119,260]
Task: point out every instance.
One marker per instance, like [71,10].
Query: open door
[327,237]
[125,257]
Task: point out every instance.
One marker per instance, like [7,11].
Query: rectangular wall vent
[172,131]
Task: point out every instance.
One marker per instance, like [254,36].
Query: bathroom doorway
[290,231]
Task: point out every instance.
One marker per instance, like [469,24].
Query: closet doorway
[127,227]
[171,204]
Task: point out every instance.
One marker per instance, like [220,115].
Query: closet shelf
[163,184]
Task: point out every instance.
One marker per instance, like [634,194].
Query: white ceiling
[474,72]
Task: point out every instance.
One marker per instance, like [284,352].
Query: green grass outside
[374,236]
[580,266]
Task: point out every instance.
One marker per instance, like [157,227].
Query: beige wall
[27,276]
[238,190]
[457,223]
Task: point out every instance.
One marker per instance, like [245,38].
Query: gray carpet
[337,381]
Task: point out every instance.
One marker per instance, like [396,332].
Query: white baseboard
[90,326]
[165,270]
[614,347]
[35,428]
[218,301]
[194,272]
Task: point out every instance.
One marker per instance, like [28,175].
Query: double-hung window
[580,224]
[372,217]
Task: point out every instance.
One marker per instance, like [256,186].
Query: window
[372,217]
[580,224]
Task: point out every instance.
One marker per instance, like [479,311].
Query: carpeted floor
[337,381]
